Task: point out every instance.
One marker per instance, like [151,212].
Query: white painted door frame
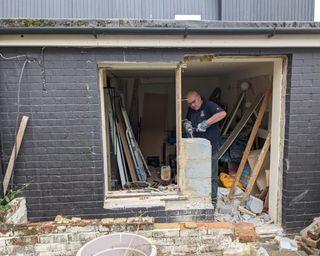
[277,122]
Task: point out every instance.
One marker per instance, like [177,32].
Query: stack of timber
[131,164]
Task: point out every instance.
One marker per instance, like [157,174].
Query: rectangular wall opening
[149,95]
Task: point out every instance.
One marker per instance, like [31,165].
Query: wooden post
[257,168]
[105,130]
[14,153]
[178,120]
[253,134]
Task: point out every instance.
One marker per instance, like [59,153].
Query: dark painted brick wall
[61,152]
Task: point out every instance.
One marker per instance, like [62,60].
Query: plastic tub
[118,244]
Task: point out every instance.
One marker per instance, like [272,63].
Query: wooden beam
[257,168]
[127,151]
[233,113]
[253,134]
[105,130]
[239,126]
[14,153]
[178,120]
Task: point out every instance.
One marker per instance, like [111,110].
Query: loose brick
[246,232]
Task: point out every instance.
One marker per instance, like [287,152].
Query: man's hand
[202,127]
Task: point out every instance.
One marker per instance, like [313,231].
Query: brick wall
[65,237]
[301,174]
[61,153]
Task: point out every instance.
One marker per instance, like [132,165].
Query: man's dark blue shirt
[207,110]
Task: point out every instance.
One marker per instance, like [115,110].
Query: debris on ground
[233,211]
[309,241]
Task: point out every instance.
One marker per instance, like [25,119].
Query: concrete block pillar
[195,169]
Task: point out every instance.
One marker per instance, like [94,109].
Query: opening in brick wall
[146,145]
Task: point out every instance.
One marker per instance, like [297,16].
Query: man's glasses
[192,102]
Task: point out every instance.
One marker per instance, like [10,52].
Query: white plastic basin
[118,244]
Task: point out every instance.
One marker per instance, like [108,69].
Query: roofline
[185,31]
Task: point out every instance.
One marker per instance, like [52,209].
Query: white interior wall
[259,77]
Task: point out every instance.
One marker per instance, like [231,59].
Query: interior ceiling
[194,69]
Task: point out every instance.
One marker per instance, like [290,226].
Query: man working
[204,116]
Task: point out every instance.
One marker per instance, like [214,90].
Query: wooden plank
[253,134]
[14,153]
[257,168]
[239,126]
[233,113]
[127,152]
[252,160]
[144,162]
[116,142]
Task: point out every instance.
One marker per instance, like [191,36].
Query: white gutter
[161,41]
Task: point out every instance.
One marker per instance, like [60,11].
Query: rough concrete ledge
[66,236]
[136,23]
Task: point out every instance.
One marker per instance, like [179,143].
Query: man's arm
[216,118]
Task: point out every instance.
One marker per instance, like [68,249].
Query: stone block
[222,231]
[193,232]
[17,214]
[120,220]
[3,249]
[56,247]
[197,187]
[240,250]
[61,228]
[103,228]
[118,227]
[107,221]
[254,204]
[145,233]
[185,240]
[54,238]
[24,240]
[186,249]
[83,237]
[198,168]
[166,250]
[24,250]
[74,246]
[84,229]
[195,148]
[6,230]
[219,241]
[159,233]
[225,209]
[163,241]
[139,223]
[140,220]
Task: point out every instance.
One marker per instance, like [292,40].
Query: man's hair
[192,92]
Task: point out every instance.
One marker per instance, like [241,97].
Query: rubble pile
[309,241]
